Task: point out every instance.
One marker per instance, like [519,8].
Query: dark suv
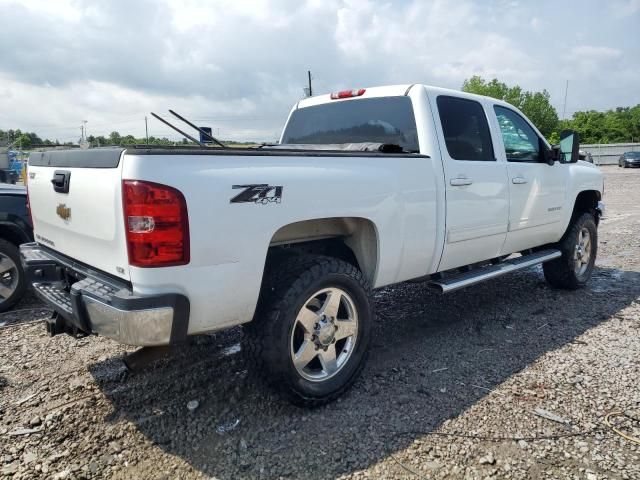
[15,229]
[629,159]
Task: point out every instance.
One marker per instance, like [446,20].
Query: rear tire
[310,336]
[579,247]
[12,281]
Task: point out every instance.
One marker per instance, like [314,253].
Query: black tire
[563,272]
[270,336]
[7,278]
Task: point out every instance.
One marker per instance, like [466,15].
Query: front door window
[521,143]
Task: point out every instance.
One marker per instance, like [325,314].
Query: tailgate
[81,214]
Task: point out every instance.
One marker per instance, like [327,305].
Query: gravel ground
[451,389]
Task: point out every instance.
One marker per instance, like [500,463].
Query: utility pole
[310,90]
[564,107]
[146,128]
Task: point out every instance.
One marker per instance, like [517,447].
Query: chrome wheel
[8,277]
[324,334]
[582,255]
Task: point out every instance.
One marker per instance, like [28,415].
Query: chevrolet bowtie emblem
[63,211]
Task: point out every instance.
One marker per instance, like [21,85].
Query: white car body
[399,214]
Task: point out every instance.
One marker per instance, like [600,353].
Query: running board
[449,284]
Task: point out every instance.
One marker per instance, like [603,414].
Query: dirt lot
[450,391]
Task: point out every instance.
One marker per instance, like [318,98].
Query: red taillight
[157,225]
[348,93]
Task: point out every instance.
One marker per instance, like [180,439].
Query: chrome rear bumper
[86,301]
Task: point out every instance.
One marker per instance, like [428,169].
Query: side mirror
[553,155]
[569,146]
[549,156]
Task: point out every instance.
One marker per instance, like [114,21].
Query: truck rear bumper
[88,301]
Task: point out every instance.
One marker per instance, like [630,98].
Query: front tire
[309,338]
[579,247]
[12,281]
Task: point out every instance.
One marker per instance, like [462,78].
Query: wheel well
[12,234]
[351,239]
[586,201]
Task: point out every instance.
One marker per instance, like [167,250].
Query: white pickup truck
[366,188]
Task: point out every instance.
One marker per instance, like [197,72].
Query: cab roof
[394,91]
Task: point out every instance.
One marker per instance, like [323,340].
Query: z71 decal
[258,193]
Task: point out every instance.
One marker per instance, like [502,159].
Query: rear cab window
[465,128]
[389,120]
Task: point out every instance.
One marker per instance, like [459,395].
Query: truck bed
[230,230]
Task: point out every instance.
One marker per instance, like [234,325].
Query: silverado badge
[63,211]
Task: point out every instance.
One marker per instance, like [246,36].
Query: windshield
[632,154]
[377,120]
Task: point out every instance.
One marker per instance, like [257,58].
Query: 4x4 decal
[258,193]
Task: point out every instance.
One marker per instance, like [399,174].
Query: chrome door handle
[460,181]
[519,180]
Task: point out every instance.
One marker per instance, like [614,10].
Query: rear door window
[379,120]
[465,128]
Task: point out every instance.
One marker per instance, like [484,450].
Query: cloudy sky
[238,66]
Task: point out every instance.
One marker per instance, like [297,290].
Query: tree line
[619,125]
[18,138]
[115,138]
[26,140]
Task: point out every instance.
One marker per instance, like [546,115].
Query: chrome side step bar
[455,282]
